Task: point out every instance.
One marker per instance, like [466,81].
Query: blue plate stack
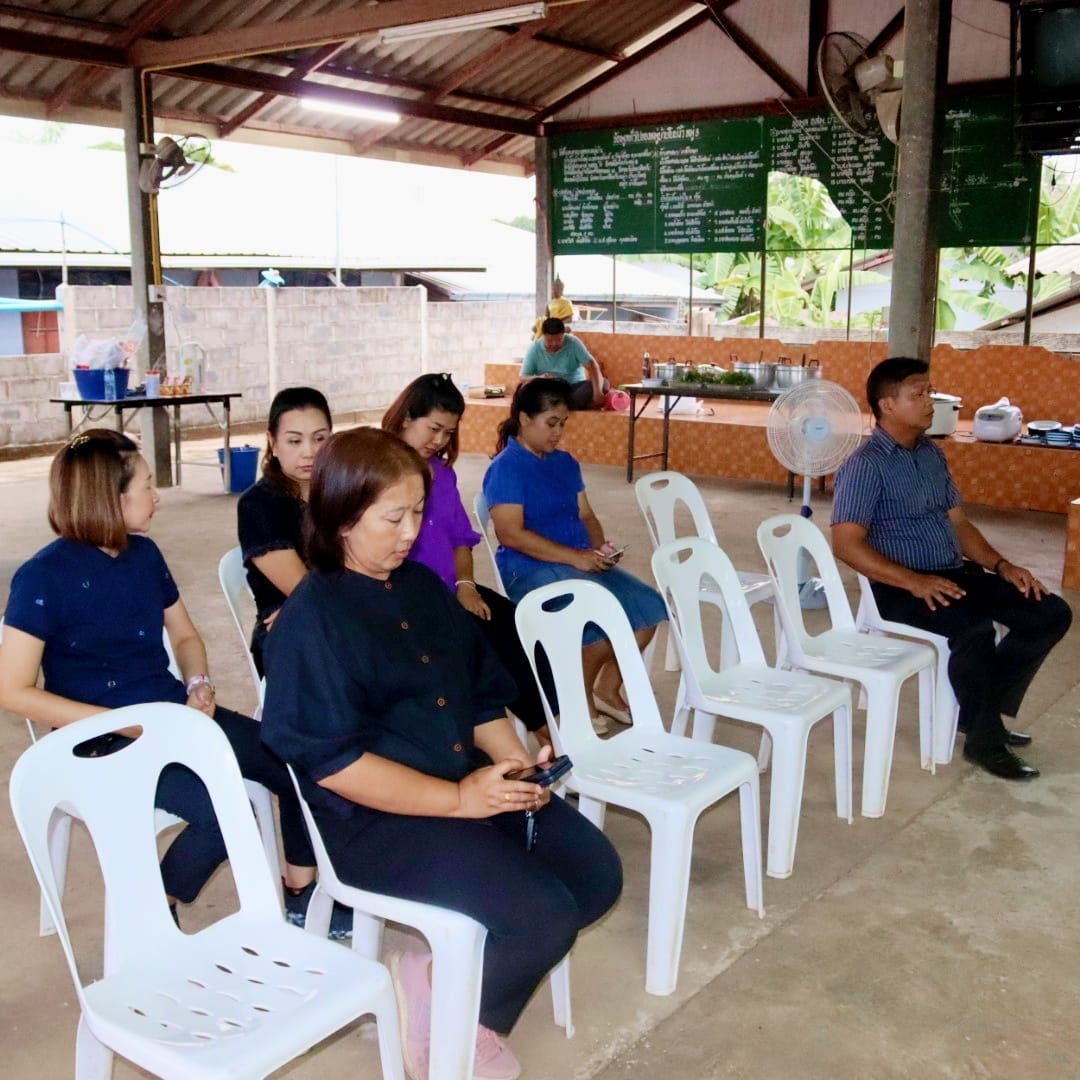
[1061,437]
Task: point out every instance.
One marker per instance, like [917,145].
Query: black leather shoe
[1001,761]
[1017,738]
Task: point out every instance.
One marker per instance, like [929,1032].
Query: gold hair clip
[79,440]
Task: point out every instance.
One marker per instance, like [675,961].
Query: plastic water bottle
[110,384]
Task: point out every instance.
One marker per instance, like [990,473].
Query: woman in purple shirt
[426,416]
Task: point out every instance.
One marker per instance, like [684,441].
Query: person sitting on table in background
[548,532]
[562,355]
[425,416]
[88,611]
[558,308]
[379,688]
[269,515]
[897,518]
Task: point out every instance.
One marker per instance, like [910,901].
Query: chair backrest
[114,795]
[694,573]
[483,519]
[234,584]
[659,495]
[554,617]
[781,538]
[867,614]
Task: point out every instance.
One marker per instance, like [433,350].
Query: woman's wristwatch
[199,680]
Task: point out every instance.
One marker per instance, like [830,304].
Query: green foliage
[521,221]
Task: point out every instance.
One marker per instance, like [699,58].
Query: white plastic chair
[694,573]
[946,710]
[60,830]
[659,495]
[666,778]
[482,513]
[457,950]
[240,998]
[881,666]
[234,584]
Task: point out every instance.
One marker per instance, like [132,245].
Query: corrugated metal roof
[235,68]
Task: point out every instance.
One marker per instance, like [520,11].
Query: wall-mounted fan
[863,90]
[169,162]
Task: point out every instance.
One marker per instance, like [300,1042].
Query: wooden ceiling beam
[281,86]
[755,52]
[151,15]
[887,32]
[62,48]
[315,30]
[300,72]
[817,28]
[573,46]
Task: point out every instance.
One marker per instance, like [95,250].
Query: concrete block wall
[463,337]
[26,384]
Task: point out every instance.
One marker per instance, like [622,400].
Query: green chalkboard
[859,172]
[702,186]
[987,187]
[681,187]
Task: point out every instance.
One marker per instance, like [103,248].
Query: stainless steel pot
[665,372]
[763,374]
[788,375]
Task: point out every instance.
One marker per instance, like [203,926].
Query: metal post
[543,227]
[1029,292]
[614,302]
[850,281]
[690,302]
[912,305]
[146,290]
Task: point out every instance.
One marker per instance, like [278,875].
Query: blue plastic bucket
[91,382]
[244,460]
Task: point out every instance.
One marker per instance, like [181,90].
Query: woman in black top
[379,691]
[270,514]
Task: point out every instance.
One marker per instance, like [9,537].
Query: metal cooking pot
[788,375]
[665,372]
[763,375]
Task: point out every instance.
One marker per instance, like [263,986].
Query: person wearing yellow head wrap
[558,308]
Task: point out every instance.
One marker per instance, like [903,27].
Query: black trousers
[988,678]
[533,903]
[501,634]
[200,848]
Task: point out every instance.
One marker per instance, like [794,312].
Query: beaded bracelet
[464,581]
[198,680]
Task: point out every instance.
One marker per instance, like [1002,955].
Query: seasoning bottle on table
[646,366]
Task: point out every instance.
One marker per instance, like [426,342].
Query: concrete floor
[937,941]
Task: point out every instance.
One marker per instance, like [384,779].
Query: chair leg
[946,712]
[263,804]
[560,995]
[681,714]
[671,653]
[59,843]
[704,726]
[842,762]
[320,908]
[877,755]
[669,884]
[785,801]
[456,976]
[592,810]
[93,1059]
[389,1034]
[764,753]
[750,820]
[927,706]
[367,935]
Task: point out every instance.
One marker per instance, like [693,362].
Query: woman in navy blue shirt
[379,691]
[88,610]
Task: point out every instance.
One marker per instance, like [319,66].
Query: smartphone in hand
[544,775]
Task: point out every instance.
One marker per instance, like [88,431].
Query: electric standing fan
[811,429]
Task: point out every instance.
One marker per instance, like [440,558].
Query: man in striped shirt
[897,519]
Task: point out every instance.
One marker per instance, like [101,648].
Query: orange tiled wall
[1070,578]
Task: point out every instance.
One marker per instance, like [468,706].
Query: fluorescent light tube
[363,112]
[477,20]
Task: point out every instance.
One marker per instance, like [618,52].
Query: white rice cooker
[946,409]
[1000,422]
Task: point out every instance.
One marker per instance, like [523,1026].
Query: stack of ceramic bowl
[1060,437]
